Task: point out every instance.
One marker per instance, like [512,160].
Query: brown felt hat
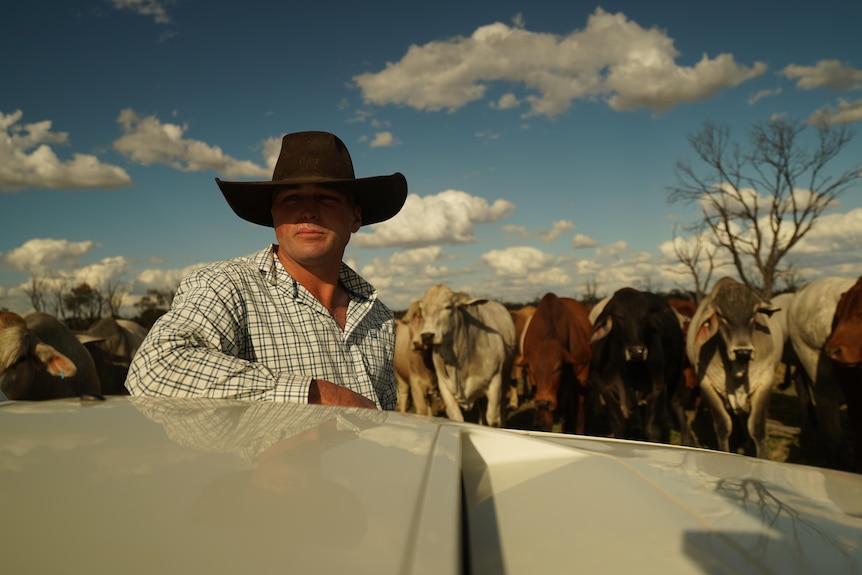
[316,157]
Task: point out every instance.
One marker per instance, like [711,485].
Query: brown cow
[414,368]
[844,348]
[40,358]
[521,318]
[556,355]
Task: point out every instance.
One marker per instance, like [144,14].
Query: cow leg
[453,409]
[721,420]
[494,411]
[418,391]
[403,390]
[678,401]
[757,420]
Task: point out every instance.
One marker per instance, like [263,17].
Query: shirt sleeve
[192,351]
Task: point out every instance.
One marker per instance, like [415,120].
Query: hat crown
[313,156]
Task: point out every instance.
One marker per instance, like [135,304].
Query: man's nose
[308,210]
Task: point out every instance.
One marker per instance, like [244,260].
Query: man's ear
[357,219]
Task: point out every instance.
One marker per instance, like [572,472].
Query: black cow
[636,367]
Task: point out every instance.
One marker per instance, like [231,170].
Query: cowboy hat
[316,157]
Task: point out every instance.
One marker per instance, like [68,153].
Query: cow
[473,341]
[40,359]
[735,346]
[636,366]
[113,343]
[521,317]
[844,349]
[809,324]
[556,356]
[684,312]
[414,368]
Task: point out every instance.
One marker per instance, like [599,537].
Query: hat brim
[380,197]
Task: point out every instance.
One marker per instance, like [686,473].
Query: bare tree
[113,296]
[760,198]
[58,289]
[692,257]
[590,296]
[37,291]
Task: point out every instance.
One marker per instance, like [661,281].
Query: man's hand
[322,392]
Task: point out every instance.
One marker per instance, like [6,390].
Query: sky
[538,138]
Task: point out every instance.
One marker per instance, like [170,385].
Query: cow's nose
[427,338]
[636,352]
[834,352]
[743,354]
[543,404]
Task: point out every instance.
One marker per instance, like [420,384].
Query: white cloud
[825,74]
[164,279]
[41,256]
[449,217]
[152,8]
[845,113]
[27,160]
[558,228]
[763,94]
[148,141]
[506,102]
[613,249]
[583,241]
[383,140]
[612,58]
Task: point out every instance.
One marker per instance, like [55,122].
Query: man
[291,322]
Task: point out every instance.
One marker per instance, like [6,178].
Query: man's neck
[320,283]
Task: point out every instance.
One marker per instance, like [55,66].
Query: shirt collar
[355,285]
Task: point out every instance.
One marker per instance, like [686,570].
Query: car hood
[141,485]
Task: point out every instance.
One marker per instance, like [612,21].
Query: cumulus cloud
[28,160]
[611,58]
[449,217]
[845,113]
[41,256]
[148,141]
[152,8]
[519,260]
[163,278]
[383,140]
[613,249]
[583,241]
[763,94]
[546,235]
[825,74]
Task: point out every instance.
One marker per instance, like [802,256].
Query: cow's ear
[55,362]
[706,330]
[766,309]
[602,329]
[472,301]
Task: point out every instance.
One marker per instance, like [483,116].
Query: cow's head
[22,354]
[733,312]
[547,363]
[440,315]
[626,316]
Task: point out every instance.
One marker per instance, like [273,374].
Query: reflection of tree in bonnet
[758,501]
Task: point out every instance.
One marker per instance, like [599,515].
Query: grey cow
[735,346]
[40,358]
[809,322]
[474,348]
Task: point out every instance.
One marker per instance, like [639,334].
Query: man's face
[313,223]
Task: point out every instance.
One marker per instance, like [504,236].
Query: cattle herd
[635,366]
[639,366]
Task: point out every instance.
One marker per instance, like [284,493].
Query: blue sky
[538,138]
